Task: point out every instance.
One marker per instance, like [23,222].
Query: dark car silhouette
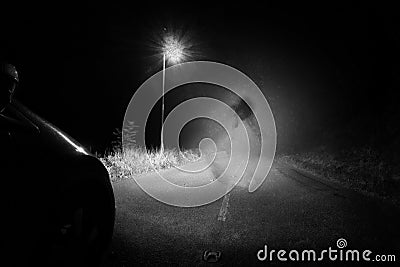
[57,199]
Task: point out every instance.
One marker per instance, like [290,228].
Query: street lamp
[173,52]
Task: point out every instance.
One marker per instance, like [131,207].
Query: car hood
[46,135]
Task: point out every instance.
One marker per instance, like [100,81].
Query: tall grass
[126,163]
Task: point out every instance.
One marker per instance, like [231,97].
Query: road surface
[290,211]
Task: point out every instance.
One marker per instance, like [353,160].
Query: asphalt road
[290,211]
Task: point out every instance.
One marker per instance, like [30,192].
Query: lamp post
[173,51]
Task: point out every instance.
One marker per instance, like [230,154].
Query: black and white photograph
[200,133]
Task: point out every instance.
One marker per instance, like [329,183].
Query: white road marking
[223,211]
[224,208]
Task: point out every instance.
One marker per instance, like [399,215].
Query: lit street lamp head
[173,49]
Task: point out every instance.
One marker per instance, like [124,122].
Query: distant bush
[362,169]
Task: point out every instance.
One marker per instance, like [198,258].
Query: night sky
[324,68]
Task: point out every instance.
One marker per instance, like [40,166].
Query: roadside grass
[133,161]
[359,169]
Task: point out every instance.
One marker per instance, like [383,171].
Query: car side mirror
[8,83]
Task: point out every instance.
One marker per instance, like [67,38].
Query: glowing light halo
[173,49]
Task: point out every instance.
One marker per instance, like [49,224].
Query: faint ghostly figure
[235,122]
[242,109]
